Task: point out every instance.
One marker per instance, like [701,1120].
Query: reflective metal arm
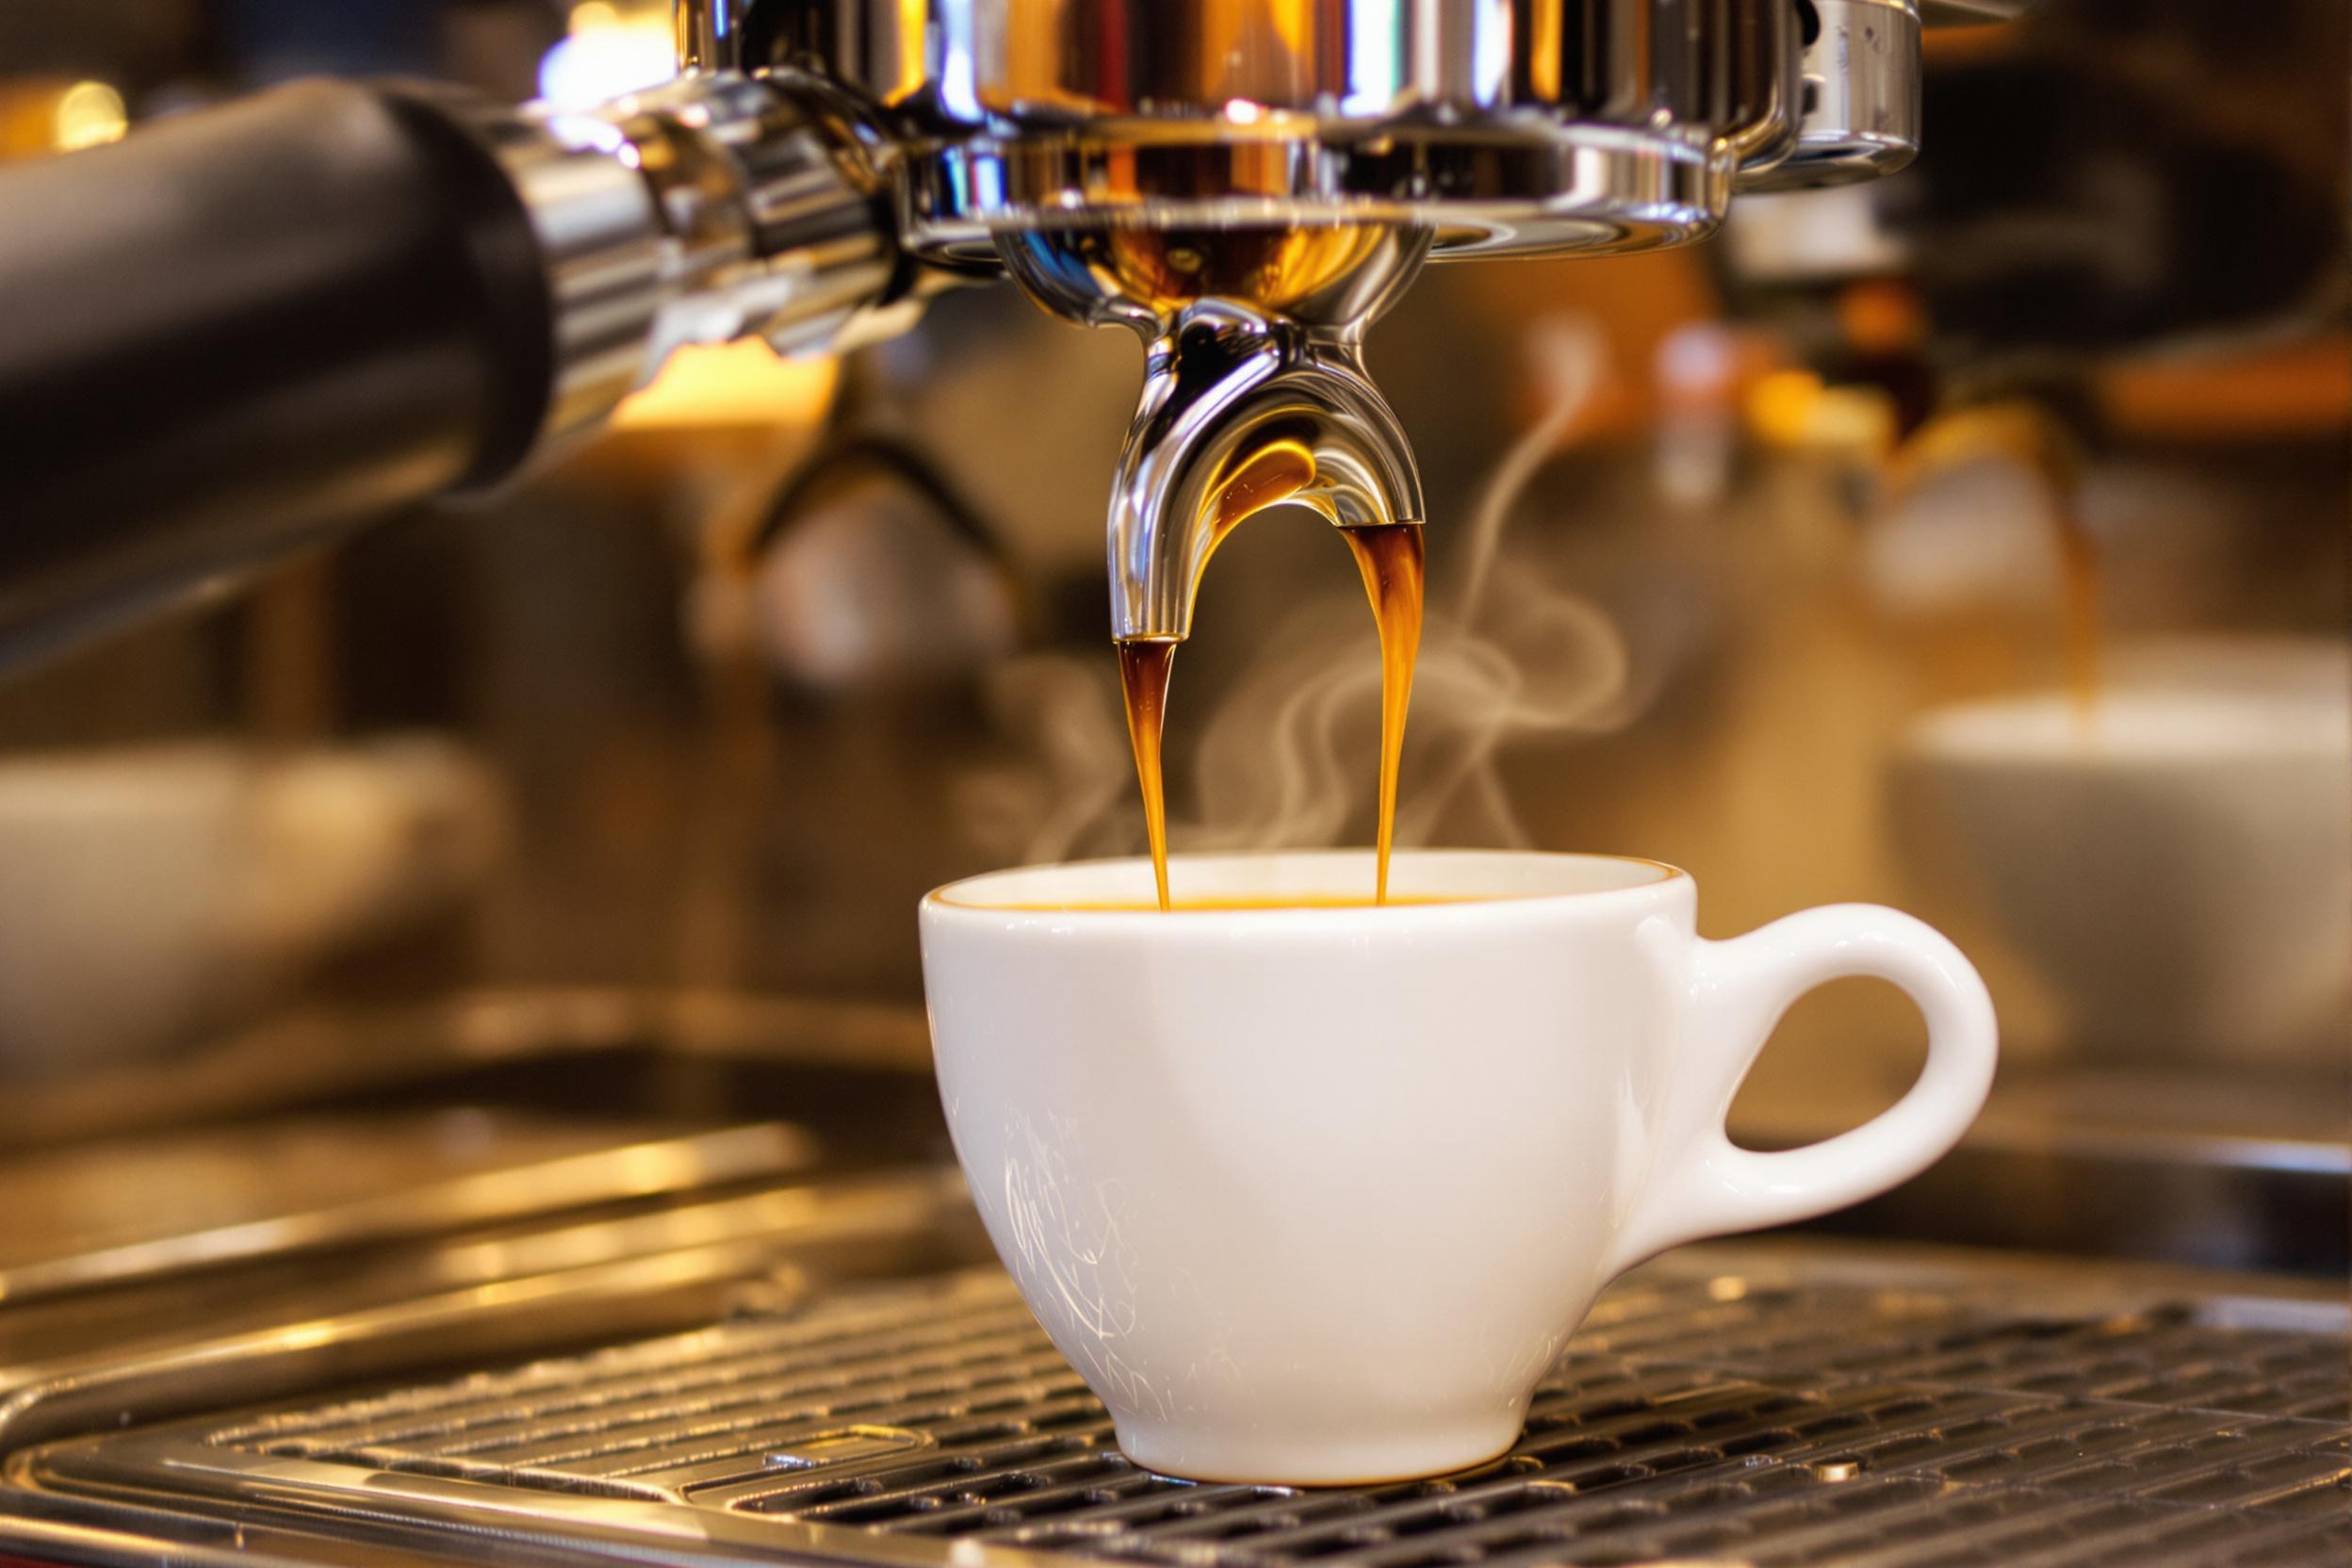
[711,208]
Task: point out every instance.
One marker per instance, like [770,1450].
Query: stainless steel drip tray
[314,1147]
[1786,1404]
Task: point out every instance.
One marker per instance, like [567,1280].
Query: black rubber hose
[241,331]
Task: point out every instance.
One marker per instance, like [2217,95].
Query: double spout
[1254,393]
[1240,412]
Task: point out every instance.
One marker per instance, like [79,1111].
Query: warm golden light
[734,383]
[1779,405]
[1546,32]
[913,19]
[611,50]
[87,114]
[1794,409]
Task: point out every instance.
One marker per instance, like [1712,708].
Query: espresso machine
[277,317]
[539,1270]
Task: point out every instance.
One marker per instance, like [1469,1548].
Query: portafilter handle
[243,330]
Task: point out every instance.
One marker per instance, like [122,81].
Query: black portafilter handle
[245,330]
[235,333]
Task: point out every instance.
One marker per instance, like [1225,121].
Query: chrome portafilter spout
[1241,412]
[1254,390]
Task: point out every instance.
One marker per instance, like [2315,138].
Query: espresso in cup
[1227,905]
[1313,1191]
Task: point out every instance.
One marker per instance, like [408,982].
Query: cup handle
[1731,994]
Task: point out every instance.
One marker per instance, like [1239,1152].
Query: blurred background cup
[147,891]
[2175,860]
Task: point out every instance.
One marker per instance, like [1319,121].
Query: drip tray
[1760,1405]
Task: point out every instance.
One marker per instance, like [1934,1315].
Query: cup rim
[943,898]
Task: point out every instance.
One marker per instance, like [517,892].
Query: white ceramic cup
[1317,1194]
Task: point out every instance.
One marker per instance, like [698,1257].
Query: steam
[1064,713]
[1287,757]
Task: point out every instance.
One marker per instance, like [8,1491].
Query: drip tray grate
[1757,1417]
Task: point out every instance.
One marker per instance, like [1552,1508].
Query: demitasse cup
[1315,1194]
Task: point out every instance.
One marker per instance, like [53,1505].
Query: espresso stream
[1143,670]
[1391,558]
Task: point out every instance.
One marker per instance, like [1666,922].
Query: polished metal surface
[1861,97]
[1765,1404]
[771,188]
[1227,396]
[603,1041]
[1573,124]
[2221,1169]
[1254,388]
[453,1098]
[486,1297]
[604,245]
[708,209]
[403,1194]
[1602,188]
[350,1162]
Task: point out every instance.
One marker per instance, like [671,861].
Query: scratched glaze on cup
[1315,1195]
